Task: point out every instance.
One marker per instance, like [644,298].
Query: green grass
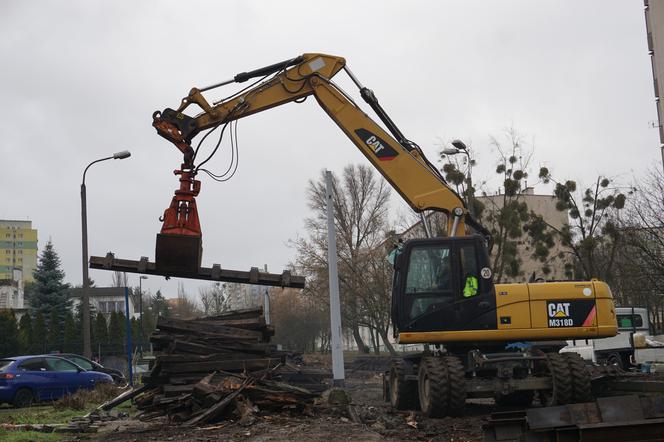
[40,415]
[30,436]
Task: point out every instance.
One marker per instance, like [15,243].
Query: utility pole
[338,375]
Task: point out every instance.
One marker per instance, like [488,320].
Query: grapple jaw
[179,245]
[178,253]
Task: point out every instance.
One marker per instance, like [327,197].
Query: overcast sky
[81,79]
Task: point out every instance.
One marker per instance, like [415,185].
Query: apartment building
[18,249]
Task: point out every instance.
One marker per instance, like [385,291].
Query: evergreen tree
[54,335]
[9,332]
[78,321]
[25,335]
[149,323]
[39,334]
[100,335]
[136,333]
[116,332]
[50,293]
[71,341]
[160,305]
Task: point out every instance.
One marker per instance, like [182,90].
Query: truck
[632,346]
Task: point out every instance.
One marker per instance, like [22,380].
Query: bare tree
[119,279]
[360,202]
[214,299]
[185,307]
[639,267]
[592,236]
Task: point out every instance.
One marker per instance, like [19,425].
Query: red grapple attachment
[179,244]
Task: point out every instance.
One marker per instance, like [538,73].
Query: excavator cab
[443,284]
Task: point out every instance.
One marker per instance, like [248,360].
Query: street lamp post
[460,147]
[140,306]
[85,299]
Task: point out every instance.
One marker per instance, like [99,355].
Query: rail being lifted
[214,273]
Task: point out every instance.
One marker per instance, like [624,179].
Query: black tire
[580,378]
[456,386]
[521,398]
[433,387]
[23,398]
[614,359]
[561,392]
[403,393]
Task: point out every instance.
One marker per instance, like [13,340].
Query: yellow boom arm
[402,162]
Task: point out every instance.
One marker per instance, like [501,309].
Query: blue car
[28,379]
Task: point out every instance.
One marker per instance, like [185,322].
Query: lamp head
[121,155]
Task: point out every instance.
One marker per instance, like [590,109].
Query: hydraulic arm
[399,160]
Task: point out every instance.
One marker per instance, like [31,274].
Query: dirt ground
[319,423]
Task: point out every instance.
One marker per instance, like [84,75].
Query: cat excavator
[480,339]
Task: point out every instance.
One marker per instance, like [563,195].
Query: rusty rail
[214,273]
[620,418]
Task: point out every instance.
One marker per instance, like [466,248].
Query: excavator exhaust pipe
[178,253]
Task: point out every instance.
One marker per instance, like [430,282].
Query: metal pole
[85,298]
[140,309]
[128,328]
[338,375]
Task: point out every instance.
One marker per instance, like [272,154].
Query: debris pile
[207,367]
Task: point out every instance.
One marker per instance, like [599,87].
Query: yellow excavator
[482,339]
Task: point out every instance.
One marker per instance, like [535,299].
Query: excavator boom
[401,162]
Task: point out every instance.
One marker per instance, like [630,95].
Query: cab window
[429,270]
[429,283]
[629,321]
[470,277]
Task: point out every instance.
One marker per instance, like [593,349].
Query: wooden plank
[245,313]
[183,326]
[240,364]
[215,410]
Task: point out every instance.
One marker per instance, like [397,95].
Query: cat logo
[558,309]
[559,314]
[379,147]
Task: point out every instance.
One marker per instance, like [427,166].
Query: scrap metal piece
[214,273]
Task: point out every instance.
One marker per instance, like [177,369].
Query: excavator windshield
[440,283]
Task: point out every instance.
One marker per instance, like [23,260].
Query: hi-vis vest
[471,287]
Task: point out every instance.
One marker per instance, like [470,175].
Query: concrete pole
[85,298]
[129,339]
[338,375]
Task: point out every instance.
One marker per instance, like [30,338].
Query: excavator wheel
[433,386]
[441,386]
[580,377]
[457,387]
[561,392]
[403,393]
